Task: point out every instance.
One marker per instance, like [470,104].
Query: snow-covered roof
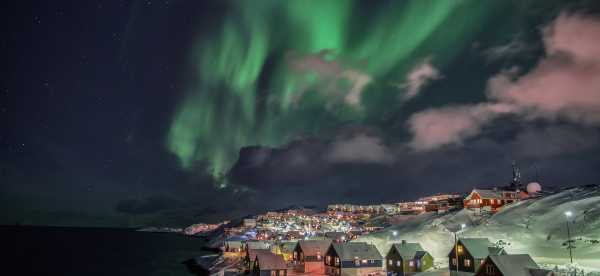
[480,247]
[514,265]
[271,262]
[408,250]
[252,253]
[311,247]
[486,193]
[361,250]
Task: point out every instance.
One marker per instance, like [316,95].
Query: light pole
[568,214]
[462,227]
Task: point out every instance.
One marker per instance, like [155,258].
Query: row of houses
[474,256]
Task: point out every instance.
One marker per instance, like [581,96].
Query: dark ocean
[28,250]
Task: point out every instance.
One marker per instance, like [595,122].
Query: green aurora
[276,70]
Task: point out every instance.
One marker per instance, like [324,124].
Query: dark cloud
[148,205]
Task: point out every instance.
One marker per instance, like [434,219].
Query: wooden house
[471,253]
[286,250]
[407,258]
[234,244]
[251,256]
[308,256]
[511,265]
[353,259]
[269,265]
[489,200]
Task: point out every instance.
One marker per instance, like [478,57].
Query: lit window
[281,272]
[398,263]
[467,262]
[411,263]
[328,260]
[459,248]
[454,261]
[273,273]
[390,262]
[364,261]
[337,261]
[356,261]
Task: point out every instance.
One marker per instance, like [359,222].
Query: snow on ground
[536,226]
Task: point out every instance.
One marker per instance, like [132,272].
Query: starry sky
[171,112]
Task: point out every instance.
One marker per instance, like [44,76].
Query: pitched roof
[252,253]
[258,245]
[514,265]
[287,246]
[311,247]
[408,250]
[480,247]
[486,193]
[270,262]
[361,250]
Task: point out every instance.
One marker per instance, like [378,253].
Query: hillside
[535,226]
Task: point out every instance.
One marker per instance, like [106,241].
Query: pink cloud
[565,84]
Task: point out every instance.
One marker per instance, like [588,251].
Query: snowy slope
[534,226]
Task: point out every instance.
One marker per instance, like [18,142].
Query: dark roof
[408,250]
[311,247]
[270,262]
[252,253]
[514,265]
[480,247]
[420,254]
[352,250]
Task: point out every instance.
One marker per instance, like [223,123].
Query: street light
[395,233]
[568,214]
[462,227]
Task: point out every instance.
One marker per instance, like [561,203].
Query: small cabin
[269,265]
[251,256]
[353,258]
[407,258]
[511,265]
[469,253]
[309,254]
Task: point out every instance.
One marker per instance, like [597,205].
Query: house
[257,245]
[308,256]
[249,222]
[234,244]
[251,256]
[407,258]
[269,265]
[489,200]
[336,236]
[471,253]
[353,258]
[511,265]
[286,250]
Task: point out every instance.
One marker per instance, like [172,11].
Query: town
[302,241]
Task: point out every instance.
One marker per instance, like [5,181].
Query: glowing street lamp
[462,228]
[568,214]
[395,233]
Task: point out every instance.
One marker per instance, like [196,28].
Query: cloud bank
[564,85]
[418,77]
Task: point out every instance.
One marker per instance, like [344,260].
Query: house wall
[314,267]
[461,260]
[395,257]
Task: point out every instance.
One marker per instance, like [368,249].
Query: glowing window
[364,261]
[390,262]
[411,263]
[398,263]
[459,248]
[467,262]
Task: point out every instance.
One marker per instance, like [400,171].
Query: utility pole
[569,241]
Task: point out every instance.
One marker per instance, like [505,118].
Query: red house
[490,200]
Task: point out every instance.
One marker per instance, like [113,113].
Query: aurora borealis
[257,77]
[168,112]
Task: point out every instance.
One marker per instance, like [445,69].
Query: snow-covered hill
[535,226]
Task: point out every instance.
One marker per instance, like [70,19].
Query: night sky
[130,113]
